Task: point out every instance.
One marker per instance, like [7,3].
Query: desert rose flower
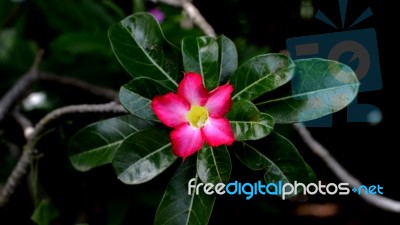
[196,115]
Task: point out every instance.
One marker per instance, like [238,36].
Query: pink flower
[196,115]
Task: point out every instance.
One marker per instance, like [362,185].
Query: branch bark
[25,124]
[29,151]
[379,201]
[15,177]
[194,14]
[15,93]
[33,75]
[111,107]
[198,19]
[106,93]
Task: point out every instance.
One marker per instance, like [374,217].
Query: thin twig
[72,109]
[9,99]
[194,14]
[25,124]
[106,93]
[379,201]
[29,151]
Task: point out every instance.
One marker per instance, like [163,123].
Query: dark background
[366,151]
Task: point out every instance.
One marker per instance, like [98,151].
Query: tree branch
[33,75]
[106,93]
[29,151]
[379,201]
[13,180]
[111,107]
[198,19]
[194,14]
[9,99]
[25,124]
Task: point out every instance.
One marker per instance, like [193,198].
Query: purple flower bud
[158,14]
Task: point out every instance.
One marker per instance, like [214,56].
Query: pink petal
[218,131]
[219,101]
[186,140]
[171,109]
[192,89]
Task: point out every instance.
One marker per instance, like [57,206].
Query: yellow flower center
[197,116]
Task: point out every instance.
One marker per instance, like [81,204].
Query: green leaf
[178,206]
[320,87]
[143,51]
[143,155]
[284,155]
[227,58]
[95,144]
[200,54]
[136,96]
[248,123]
[214,59]
[45,213]
[277,156]
[261,74]
[214,165]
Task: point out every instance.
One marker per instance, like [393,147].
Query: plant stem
[379,201]
[106,93]
[23,84]
[29,151]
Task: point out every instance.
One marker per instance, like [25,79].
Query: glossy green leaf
[248,123]
[200,54]
[277,156]
[178,206]
[45,213]
[261,74]
[284,155]
[95,144]
[214,164]
[143,51]
[320,87]
[136,96]
[143,155]
[227,58]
